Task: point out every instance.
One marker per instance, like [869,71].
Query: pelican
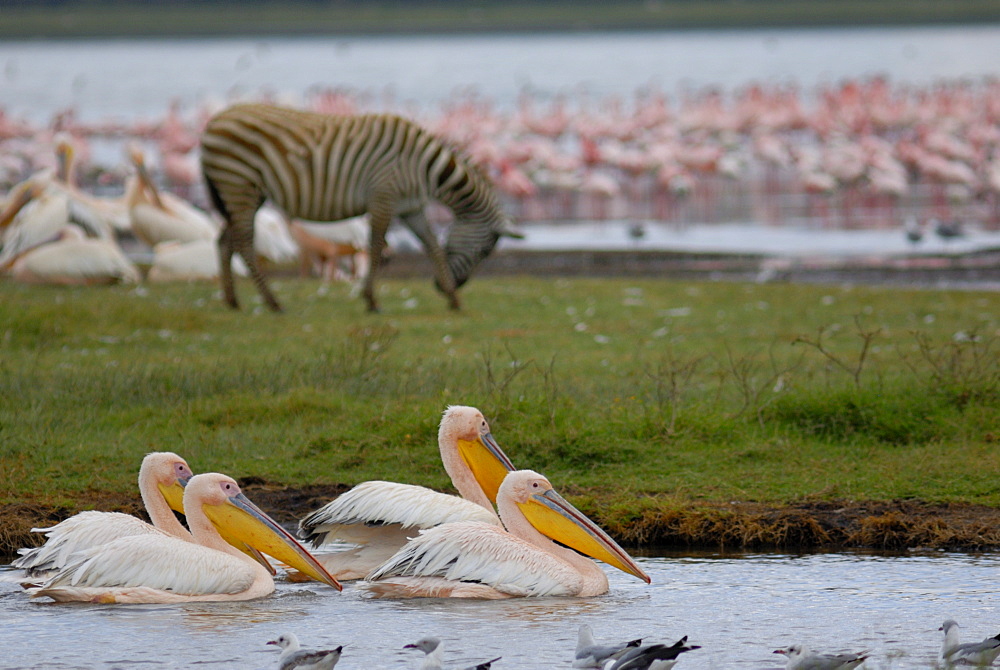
[162,477]
[162,217]
[380,517]
[156,568]
[197,260]
[73,259]
[467,559]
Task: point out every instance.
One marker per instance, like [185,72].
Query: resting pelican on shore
[163,217]
[162,477]
[381,516]
[157,568]
[475,560]
[73,259]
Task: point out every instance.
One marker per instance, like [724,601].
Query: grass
[621,391]
[114,19]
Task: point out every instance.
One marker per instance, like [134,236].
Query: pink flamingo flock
[861,153]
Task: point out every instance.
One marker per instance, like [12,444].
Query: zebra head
[472,240]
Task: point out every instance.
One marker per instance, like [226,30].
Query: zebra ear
[508,229]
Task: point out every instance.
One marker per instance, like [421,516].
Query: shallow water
[739,608]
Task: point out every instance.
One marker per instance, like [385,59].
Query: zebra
[326,168]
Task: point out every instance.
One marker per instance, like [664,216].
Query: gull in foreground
[432,647]
[801,658]
[589,654]
[653,656]
[971,653]
[293,657]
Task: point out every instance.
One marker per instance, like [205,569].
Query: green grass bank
[676,413]
[28,20]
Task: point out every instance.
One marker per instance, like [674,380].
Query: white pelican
[381,517]
[475,560]
[74,259]
[157,568]
[294,657]
[162,477]
[197,260]
[162,217]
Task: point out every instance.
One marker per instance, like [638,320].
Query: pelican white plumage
[197,260]
[156,568]
[162,477]
[589,654]
[294,657]
[380,517]
[74,259]
[954,652]
[271,239]
[467,559]
[163,217]
[801,657]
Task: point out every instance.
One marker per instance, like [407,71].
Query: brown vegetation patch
[659,524]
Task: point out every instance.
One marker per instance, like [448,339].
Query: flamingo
[162,477]
[381,517]
[155,568]
[468,559]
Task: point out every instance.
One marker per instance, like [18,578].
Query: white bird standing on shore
[294,657]
[467,559]
[801,657]
[380,517]
[589,654]
[162,477]
[954,652]
[156,568]
[73,259]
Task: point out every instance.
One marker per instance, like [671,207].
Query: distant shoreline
[213,20]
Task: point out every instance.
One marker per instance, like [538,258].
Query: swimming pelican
[294,657]
[162,477]
[156,568]
[475,560]
[381,516]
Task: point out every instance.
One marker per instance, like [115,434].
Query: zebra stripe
[326,168]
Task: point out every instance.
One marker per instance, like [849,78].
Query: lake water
[739,608]
[126,79]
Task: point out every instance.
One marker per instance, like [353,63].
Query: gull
[653,656]
[971,653]
[589,654]
[432,647]
[293,657]
[801,658]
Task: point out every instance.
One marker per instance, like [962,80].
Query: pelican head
[171,474]
[227,508]
[64,159]
[553,516]
[467,427]
[425,644]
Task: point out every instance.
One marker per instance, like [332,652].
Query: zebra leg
[379,225]
[240,241]
[417,222]
[225,245]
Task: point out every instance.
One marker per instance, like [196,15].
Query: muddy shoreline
[735,526]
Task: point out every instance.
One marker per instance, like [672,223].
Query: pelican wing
[483,553]
[77,533]
[358,515]
[154,561]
